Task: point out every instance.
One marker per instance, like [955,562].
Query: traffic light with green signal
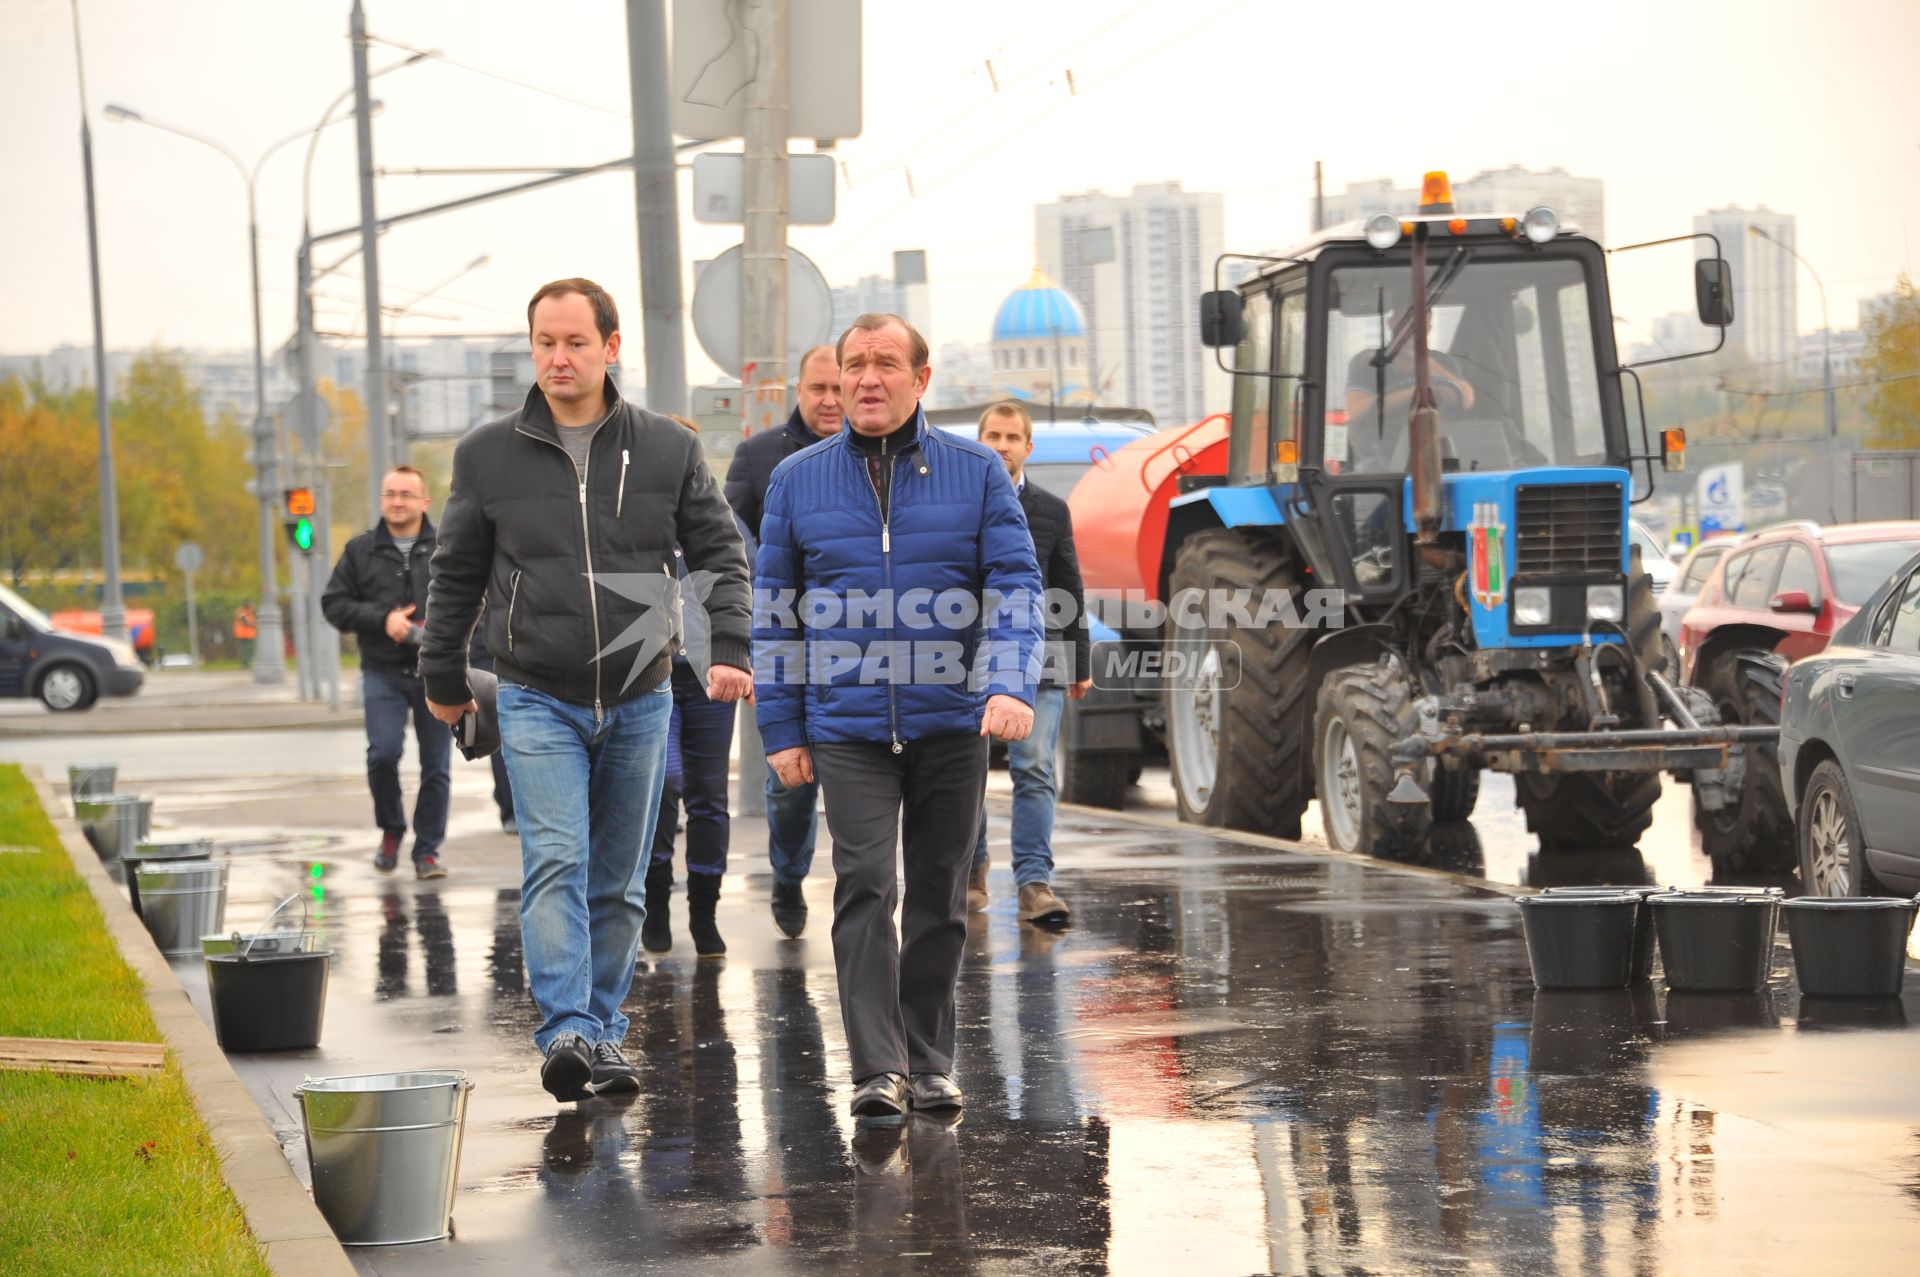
[299,521]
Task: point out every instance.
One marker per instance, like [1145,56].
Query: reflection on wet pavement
[1240,1059]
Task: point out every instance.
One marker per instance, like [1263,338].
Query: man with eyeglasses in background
[378,593]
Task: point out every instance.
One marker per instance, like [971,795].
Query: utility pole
[113,607]
[657,208]
[763,276]
[1319,201]
[379,452]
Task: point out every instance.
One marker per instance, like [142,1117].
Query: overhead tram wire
[922,187]
[495,75]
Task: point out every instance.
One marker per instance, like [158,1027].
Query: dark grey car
[1850,749]
[66,671]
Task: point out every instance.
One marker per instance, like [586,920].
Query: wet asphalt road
[1242,1058]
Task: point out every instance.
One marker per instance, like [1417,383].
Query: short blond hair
[1007,408]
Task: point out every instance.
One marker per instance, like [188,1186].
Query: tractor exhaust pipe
[1423,427]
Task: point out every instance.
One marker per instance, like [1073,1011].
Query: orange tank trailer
[1120,506]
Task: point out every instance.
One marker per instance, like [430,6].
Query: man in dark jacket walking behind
[378,593]
[889,687]
[791,819]
[1007,428]
[566,518]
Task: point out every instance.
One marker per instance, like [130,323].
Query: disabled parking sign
[1721,494]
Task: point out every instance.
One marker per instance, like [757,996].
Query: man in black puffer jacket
[567,518]
[792,810]
[378,593]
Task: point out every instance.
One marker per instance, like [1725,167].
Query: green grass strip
[100,1175]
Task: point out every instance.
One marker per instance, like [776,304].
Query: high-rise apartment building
[1137,265]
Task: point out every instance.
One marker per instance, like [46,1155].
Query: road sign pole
[763,277]
[193,627]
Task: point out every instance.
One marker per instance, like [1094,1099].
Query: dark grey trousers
[896,996]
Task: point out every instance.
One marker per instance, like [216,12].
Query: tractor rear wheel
[1237,711]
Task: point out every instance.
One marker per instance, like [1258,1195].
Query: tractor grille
[1571,529]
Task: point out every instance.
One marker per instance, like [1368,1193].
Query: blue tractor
[1417,564]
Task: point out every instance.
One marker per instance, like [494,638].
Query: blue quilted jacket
[861,630]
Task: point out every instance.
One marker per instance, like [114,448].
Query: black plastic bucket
[1642,922]
[268,1002]
[1580,942]
[1716,941]
[1852,1013]
[1850,946]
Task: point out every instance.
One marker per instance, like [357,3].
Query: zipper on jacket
[886,565]
[513,597]
[593,602]
[621,499]
[586,541]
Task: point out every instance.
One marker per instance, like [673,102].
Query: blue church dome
[1038,312]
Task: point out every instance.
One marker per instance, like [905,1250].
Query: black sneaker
[568,1069]
[389,854]
[612,1075]
[429,866]
[789,909]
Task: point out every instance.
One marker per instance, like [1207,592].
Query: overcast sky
[1679,106]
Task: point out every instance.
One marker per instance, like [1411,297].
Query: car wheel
[1832,858]
[66,687]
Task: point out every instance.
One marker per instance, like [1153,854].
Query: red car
[1784,590]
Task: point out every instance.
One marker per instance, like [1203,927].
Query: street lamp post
[269,660]
[1826,371]
[113,608]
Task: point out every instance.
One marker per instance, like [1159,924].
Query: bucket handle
[304,918]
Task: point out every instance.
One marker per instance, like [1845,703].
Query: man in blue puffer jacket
[897,626]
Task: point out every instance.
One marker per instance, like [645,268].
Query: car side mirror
[11,628]
[1713,291]
[1791,601]
[1222,319]
[1677,551]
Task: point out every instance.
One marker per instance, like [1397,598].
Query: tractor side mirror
[1791,601]
[1713,291]
[1222,319]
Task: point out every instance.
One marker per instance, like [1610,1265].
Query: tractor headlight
[1606,603]
[1532,605]
[1540,225]
[1382,231]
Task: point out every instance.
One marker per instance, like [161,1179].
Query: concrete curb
[292,1234]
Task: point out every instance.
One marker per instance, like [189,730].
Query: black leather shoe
[789,909]
[934,1091]
[880,1096]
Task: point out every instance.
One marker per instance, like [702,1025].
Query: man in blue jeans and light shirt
[566,519]
[1007,428]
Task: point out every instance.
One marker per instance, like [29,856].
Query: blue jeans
[1031,763]
[388,698]
[791,823]
[699,743]
[586,792]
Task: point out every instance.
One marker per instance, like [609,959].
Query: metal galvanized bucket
[180,901]
[272,938]
[115,823]
[384,1149]
[160,852]
[90,780]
